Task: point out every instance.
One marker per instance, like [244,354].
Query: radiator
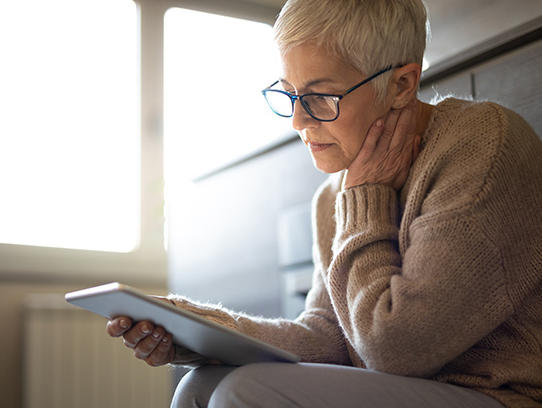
[70,361]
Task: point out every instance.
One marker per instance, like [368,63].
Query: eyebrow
[313,82]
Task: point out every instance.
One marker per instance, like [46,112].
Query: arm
[315,335]
[412,316]
[411,313]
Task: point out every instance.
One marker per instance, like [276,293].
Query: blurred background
[135,146]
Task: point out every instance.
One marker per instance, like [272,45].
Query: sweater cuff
[212,312]
[369,205]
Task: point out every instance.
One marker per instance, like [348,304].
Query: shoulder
[479,122]
[488,133]
[470,145]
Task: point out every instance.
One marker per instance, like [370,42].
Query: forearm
[314,335]
[406,315]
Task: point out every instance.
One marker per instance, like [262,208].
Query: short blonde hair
[368,34]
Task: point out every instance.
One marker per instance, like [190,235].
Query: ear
[405,82]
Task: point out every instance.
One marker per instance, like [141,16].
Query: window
[214,69]
[69,138]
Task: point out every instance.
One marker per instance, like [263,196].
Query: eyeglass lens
[280,103]
[320,107]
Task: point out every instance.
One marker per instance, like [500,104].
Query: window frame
[147,264]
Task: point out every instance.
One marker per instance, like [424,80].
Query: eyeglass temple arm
[388,68]
[270,86]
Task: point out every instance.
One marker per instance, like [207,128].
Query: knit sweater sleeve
[315,335]
[411,316]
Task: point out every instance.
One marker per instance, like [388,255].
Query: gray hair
[368,34]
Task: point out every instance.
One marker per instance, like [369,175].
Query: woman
[428,252]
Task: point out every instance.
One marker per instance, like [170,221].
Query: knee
[243,387]
[187,391]
[196,387]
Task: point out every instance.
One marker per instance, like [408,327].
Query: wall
[513,79]
[12,297]
[223,229]
[460,24]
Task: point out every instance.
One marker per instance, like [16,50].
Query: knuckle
[166,342]
[403,127]
[110,329]
[388,133]
[145,349]
[158,333]
[128,343]
[144,329]
[141,353]
[152,362]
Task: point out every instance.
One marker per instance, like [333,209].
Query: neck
[423,116]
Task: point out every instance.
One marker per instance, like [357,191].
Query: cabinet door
[223,243]
[515,81]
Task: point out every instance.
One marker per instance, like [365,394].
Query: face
[333,145]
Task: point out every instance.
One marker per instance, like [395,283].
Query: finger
[118,326]
[403,129]
[137,333]
[371,140]
[163,353]
[146,346]
[404,166]
[389,132]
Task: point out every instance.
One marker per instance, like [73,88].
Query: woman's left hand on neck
[391,146]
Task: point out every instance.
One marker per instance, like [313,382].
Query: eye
[288,89]
[285,87]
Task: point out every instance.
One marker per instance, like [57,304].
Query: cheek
[351,137]
[352,128]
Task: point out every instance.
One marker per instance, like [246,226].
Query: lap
[317,385]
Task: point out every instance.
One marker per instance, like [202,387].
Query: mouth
[318,147]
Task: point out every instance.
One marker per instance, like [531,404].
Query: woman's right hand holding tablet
[150,343]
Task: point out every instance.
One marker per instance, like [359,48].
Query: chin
[327,167]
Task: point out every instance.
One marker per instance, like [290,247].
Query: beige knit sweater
[441,281]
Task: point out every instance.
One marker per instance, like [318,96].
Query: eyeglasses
[320,106]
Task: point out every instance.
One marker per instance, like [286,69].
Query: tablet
[188,329]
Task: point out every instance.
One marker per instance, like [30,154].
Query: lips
[318,147]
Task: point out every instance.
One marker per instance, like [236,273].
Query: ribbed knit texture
[440,281]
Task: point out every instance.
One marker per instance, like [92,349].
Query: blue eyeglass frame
[293,97]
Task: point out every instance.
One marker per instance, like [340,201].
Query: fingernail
[379,123]
[164,340]
[124,324]
[155,334]
[145,329]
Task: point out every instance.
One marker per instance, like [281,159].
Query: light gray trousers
[277,385]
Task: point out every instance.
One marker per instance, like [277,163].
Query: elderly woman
[427,236]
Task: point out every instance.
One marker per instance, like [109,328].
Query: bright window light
[69,141]
[215,68]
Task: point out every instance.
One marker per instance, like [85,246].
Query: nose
[301,119]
